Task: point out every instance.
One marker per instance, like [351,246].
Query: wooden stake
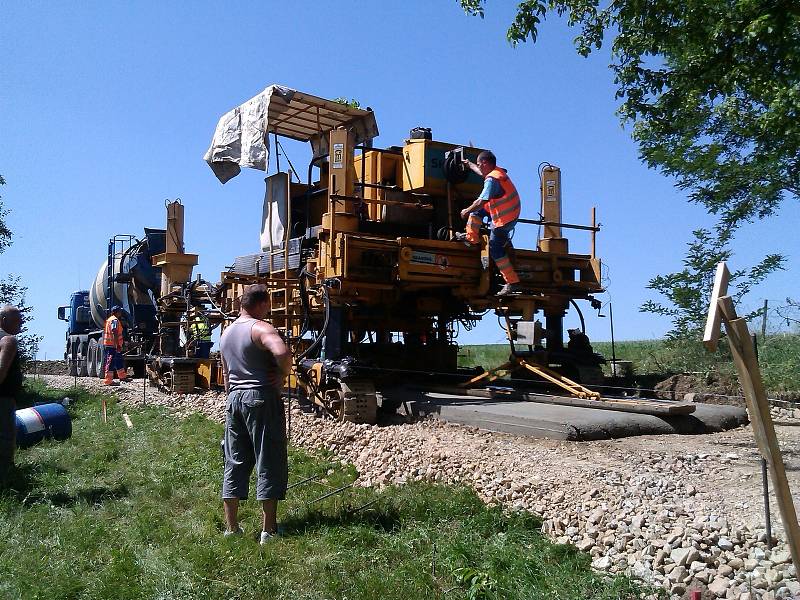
[721,309]
[712,330]
[744,358]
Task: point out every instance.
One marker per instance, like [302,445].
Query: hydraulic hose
[580,315]
[324,329]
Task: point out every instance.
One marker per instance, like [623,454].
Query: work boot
[509,288]
[110,381]
[122,375]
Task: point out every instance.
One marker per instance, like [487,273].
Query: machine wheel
[99,363]
[91,359]
[82,359]
[354,401]
[72,364]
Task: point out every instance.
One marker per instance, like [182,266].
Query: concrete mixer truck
[151,279]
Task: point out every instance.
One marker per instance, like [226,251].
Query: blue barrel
[42,421]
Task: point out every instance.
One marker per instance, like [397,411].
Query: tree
[689,290]
[711,88]
[712,92]
[13,292]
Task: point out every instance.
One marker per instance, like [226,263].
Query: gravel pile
[678,512]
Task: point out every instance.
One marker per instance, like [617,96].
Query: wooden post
[711,333]
[721,309]
[757,404]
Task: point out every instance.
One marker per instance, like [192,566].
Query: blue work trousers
[498,236]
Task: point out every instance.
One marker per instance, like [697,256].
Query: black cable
[324,329]
[304,302]
[580,314]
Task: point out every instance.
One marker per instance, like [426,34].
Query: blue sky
[106,110]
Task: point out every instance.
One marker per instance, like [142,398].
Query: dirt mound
[708,389]
[46,367]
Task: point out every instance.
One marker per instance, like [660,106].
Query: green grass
[135,513]
[779,358]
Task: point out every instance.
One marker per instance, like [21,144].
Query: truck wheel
[83,356]
[91,359]
[98,360]
[72,363]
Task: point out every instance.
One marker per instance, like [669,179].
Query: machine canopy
[241,138]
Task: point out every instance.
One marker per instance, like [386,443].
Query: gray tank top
[248,365]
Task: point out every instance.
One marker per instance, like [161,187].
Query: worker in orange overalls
[499,200]
[112,345]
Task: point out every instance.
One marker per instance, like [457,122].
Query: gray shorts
[255,436]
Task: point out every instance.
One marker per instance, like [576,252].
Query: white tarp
[242,135]
[273,215]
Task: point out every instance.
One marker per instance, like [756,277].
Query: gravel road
[680,512]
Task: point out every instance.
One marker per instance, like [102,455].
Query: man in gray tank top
[10,384]
[255,362]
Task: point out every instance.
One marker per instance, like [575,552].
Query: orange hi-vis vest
[505,209]
[112,334]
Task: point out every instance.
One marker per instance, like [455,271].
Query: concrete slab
[562,422]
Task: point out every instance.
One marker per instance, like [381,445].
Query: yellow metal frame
[516,363]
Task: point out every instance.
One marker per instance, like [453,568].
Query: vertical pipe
[332,212]
[287,236]
[765,485]
[613,347]
[594,233]
[269,225]
[450,223]
[554,324]
[110,278]
[764,319]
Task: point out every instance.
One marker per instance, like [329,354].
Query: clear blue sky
[106,110]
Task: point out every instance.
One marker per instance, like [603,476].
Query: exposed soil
[46,367]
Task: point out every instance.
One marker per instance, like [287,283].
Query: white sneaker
[266,536]
[238,531]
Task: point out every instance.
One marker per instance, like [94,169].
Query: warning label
[423,258]
[338,156]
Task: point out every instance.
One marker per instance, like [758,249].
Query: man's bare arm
[225,373]
[8,350]
[473,167]
[267,337]
[478,203]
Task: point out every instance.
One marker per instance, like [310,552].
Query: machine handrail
[594,228]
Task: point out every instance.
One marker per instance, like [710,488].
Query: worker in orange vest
[499,201]
[112,344]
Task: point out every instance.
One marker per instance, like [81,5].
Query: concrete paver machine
[367,281]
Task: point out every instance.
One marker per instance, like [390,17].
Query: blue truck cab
[77,314]
[83,350]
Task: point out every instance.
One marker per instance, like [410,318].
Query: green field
[779,358]
[135,513]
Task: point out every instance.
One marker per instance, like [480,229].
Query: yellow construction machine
[368,284]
